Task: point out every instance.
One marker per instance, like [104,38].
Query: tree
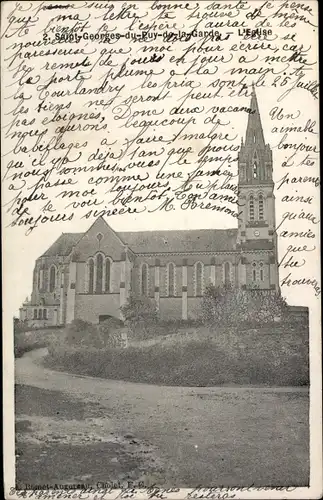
[234,306]
[140,314]
[210,302]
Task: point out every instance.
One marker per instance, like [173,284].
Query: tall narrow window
[35,313]
[255,170]
[261,271]
[227,277]
[251,208]
[261,207]
[91,276]
[40,278]
[254,272]
[99,273]
[107,275]
[52,278]
[40,314]
[199,279]
[45,314]
[144,279]
[171,279]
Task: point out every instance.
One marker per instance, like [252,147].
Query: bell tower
[256,237]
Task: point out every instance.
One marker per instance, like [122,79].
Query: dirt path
[170,436]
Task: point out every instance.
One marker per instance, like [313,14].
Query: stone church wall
[90,307]
[170,308]
[194,306]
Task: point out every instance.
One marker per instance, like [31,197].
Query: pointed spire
[254,134]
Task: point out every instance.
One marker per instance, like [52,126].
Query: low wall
[298,313]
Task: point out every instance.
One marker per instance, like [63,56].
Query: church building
[89,275]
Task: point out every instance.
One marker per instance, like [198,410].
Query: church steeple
[256,236]
[255,157]
[254,134]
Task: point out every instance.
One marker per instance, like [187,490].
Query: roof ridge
[160,240]
[179,230]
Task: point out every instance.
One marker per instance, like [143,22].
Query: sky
[20,251]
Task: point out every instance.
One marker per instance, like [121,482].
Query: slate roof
[63,245]
[199,240]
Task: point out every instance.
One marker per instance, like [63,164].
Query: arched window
[40,314]
[107,275]
[251,208]
[198,279]
[227,274]
[261,207]
[45,314]
[40,278]
[144,279]
[261,271]
[254,271]
[99,273]
[52,278]
[35,313]
[171,279]
[91,275]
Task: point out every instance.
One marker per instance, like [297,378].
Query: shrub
[27,340]
[83,333]
[20,326]
[166,327]
[111,331]
[140,315]
[234,306]
[252,358]
[111,324]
